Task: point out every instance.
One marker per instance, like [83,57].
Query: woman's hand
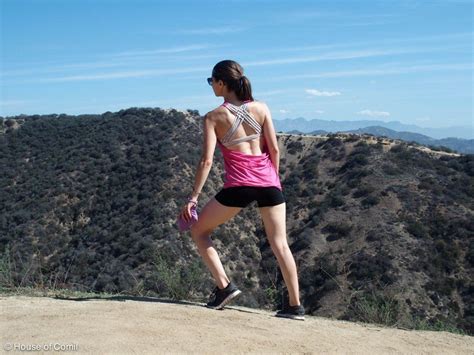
[186,211]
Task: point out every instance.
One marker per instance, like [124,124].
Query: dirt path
[148,325]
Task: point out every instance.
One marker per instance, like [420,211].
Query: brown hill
[382,231]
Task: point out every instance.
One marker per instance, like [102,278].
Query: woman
[244,131]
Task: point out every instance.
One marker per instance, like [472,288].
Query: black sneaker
[293,312]
[219,298]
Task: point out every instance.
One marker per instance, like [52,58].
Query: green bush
[374,307]
[417,229]
[337,230]
[391,170]
[6,277]
[363,191]
[370,200]
[177,281]
[294,147]
[442,325]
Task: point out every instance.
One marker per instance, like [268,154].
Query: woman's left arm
[205,164]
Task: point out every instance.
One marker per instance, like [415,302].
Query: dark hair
[232,74]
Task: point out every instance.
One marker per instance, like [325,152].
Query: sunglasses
[209,81]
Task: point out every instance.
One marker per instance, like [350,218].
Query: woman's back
[225,119]
[240,133]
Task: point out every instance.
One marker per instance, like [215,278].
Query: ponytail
[244,91]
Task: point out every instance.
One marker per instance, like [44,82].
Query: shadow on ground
[123,298]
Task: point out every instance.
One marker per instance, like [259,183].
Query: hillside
[382,231]
[126,325]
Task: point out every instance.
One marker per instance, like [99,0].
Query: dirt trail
[139,326]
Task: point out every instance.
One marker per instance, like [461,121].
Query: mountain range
[457,138]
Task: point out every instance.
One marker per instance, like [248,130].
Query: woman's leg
[212,215]
[274,221]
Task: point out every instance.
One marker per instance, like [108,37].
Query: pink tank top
[245,169]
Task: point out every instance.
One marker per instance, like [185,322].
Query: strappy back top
[241,114]
[245,169]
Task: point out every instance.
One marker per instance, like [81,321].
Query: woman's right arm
[270,138]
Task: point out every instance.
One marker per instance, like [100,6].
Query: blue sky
[407,61]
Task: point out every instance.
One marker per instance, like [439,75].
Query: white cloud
[322,93]
[372,113]
[347,54]
[212,30]
[451,38]
[284,111]
[124,74]
[327,56]
[194,47]
[382,71]
[270,93]
[319,111]
[16,102]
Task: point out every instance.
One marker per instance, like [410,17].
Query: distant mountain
[306,126]
[465,146]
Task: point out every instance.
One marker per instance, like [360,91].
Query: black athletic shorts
[241,196]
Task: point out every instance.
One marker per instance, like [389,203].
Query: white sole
[290,317]
[227,300]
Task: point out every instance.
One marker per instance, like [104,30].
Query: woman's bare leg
[274,220]
[211,216]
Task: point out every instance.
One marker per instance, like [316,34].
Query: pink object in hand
[183,225]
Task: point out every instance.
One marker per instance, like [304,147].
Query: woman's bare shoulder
[260,107]
[215,114]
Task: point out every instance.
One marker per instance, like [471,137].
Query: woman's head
[232,75]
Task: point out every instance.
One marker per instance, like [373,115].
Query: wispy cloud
[124,62]
[271,93]
[218,30]
[373,113]
[190,52]
[381,71]
[450,38]
[300,15]
[179,49]
[5,103]
[331,19]
[315,92]
[124,74]
[181,70]
[341,55]
[364,23]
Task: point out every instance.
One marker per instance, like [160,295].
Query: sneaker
[219,298]
[293,312]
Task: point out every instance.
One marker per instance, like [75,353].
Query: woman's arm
[205,164]
[270,138]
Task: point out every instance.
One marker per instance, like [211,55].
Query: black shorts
[241,196]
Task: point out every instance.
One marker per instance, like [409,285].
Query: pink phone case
[183,225]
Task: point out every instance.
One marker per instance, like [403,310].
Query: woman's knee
[198,233]
[279,246]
